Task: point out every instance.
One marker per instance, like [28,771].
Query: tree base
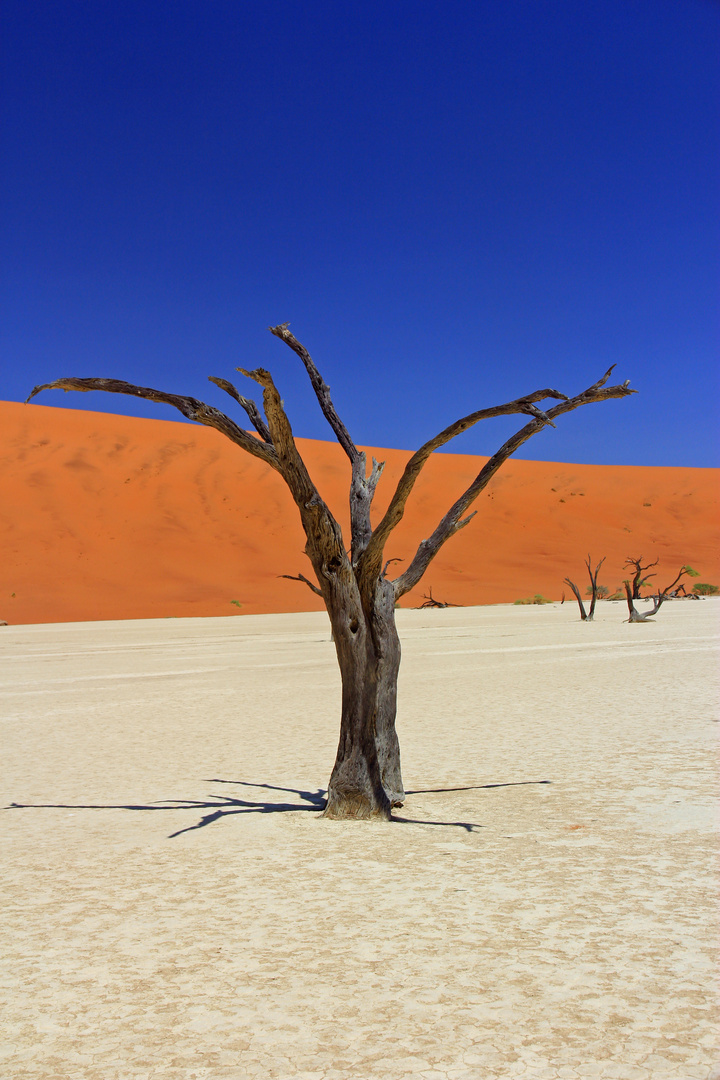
[357,807]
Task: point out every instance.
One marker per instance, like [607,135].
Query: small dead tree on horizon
[587,617]
[659,599]
[429,601]
[360,599]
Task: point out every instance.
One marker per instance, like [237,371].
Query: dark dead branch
[578,597]
[667,593]
[306,581]
[362,487]
[593,584]
[190,407]
[322,390]
[417,462]
[638,581]
[248,405]
[431,602]
[449,525]
[634,615]
[385,567]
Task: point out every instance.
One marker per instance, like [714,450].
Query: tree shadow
[222,806]
[475,787]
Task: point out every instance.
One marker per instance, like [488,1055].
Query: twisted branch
[248,405]
[453,520]
[395,511]
[190,407]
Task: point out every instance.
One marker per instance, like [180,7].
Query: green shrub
[536,599]
[704,589]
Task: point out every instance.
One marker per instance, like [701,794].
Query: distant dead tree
[429,601]
[593,590]
[660,598]
[638,580]
[360,599]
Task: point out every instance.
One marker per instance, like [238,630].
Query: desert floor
[542,907]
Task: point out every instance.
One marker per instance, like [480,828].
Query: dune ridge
[112,517]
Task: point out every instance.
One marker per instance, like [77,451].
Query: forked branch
[322,390]
[395,511]
[362,487]
[453,520]
[634,615]
[190,407]
[248,405]
[578,597]
[587,616]
[638,580]
[319,524]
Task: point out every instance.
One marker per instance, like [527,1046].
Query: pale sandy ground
[542,908]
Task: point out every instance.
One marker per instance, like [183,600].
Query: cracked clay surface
[544,907]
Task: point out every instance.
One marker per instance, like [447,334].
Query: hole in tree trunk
[354,626]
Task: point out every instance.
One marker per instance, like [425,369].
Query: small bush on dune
[536,599]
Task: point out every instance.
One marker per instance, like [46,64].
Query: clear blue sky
[452,203]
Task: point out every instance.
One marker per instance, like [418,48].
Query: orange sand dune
[112,517]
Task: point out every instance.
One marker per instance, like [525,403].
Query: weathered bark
[356,788]
[578,597]
[658,600]
[589,616]
[366,780]
[635,615]
[638,581]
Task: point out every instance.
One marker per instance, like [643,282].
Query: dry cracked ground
[543,907]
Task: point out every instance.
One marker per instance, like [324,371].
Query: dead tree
[638,580]
[658,600]
[587,617]
[360,599]
[429,601]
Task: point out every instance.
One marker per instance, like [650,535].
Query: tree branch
[395,511]
[322,390]
[635,615]
[593,584]
[190,407]
[301,577]
[249,406]
[578,597]
[450,524]
[362,488]
[325,542]
[639,570]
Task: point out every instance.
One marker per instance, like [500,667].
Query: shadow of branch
[222,806]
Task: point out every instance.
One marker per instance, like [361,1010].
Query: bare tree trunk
[366,780]
[387,650]
[635,615]
[578,597]
[590,615]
